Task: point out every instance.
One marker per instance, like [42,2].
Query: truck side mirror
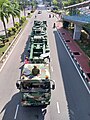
[18,84]
[53,87]
[53,84]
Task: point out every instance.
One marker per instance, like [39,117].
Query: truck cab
[35,90]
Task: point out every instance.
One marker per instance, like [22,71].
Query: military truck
[38,47]
[39,29]
[35,90]
[38,42]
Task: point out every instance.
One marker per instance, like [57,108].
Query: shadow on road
[31,113]
[10,107]
[25,52]
[23,113]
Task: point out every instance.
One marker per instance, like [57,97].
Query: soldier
[35,71]
[26,61]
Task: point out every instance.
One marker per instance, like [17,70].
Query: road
[10,107]
[62,71]
[77,94]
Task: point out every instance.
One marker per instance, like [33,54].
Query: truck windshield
[35,86]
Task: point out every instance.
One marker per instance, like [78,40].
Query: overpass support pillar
[77,32]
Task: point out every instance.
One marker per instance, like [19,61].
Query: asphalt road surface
[77,95]
[62,71]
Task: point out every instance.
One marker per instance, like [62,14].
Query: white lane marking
[58,108]
[71,112]
[16,112]
[13,48]
[73,63]
[52,68]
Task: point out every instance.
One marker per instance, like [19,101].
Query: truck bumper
[28,103]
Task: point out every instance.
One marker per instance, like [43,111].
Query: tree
[33,3]
[23,4]
[55,2]
[14,10]
[4,7]
[71,2]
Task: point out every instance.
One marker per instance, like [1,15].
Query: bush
[3,41]
[22,19]
[2,36]
[17,25]
[6,40]
[9,31]
[14,29]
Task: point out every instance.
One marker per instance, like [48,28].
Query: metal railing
[81,71]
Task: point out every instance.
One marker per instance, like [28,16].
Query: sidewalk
[80,56]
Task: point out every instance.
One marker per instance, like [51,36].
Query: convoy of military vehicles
[35,82]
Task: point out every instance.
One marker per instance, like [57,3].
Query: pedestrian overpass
[79,21]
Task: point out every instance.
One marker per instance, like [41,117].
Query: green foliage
[71,2]
[9,31]
[14,29]
[6,40]
[65,3]
[16,25]
[15,9]
[22,19]
[33,4]
[3,40]
[4,12]
[55,2]
[3,1]
[25,3]
[8,8]
[87,26]
[2,37]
